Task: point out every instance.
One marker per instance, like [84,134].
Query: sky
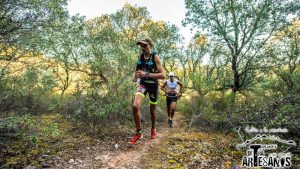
[172,11]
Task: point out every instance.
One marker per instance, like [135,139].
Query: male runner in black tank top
[149,70]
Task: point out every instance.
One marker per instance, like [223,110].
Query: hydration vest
[147,65]
[171,88]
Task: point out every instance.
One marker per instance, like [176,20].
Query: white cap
[171,74]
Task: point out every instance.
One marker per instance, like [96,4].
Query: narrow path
[119,154]
[131,158]
[175,147]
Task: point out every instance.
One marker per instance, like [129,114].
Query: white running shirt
[171,87]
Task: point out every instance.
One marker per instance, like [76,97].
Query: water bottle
[138,80]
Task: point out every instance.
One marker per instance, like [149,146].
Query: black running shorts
[169,100]
[150,88]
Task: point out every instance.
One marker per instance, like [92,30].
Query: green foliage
[27,138]
[254,52]
[23,23]
[262,73]
[242,28]
[27,92]
[106,109]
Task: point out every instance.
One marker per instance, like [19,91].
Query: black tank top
[147,65]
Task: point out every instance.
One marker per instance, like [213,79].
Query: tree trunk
[236,80]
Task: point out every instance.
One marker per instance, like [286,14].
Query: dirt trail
[131,157]
[174,147]
[119,154]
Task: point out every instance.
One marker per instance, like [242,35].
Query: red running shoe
[153,133]
[135,139]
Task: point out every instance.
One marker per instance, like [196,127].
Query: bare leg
[138,99]
[169,111]
[153,114]
[173,109]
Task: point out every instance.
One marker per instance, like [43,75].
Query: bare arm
[160,69]
[163,87]
[135,76]
[180,84]
[180,90]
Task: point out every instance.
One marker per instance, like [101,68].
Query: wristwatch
[147,75]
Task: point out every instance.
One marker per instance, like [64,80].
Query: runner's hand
[140,74]
[179,94]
